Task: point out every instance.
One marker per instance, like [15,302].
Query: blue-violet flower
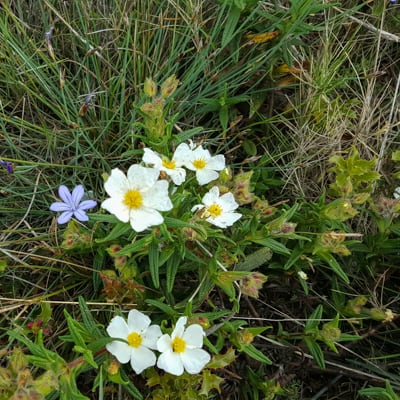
[71,204]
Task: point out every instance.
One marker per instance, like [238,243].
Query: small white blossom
[137,197]
[302,275]
[171,167]
[200,160]
[218,210]
[183,349]
[139,337]
[396,193]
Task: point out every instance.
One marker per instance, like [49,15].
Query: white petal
[150,338]
[170,362]
[152,158]
[142,358]
[205,176]
[120,350]
[142,178]
[227,202]
[177,175]
[197,207]
[200,153]
[116,184]
[179,327]
[114,205]
[211,197]
[224,220]
[144,218]
[118,328]
[164,343]
[193,336]
[157,197]
[194,360]
[182,155]
[217,163]
[137,321]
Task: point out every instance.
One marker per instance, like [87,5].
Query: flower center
[200,163]
[134,340]
[168,164]
[178,345]
[214,210]
[133,199]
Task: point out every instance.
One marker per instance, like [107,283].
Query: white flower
[170,167]
[396,193]
[183,349]
[137,197]
[218,210]
[140,338]
[302,275]
[199,160]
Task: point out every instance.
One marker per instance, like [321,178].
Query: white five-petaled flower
[137,197]
[200,160]
[140,337]
[218,210]
[183,349]
[171,167]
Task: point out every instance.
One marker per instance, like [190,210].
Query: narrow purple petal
[80,215]
[65,217]
[59,206]
[87,204]
[77,195]
[65,195]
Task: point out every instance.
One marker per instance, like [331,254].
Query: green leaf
[119,229]
[256,354]
[171,269]
[337,269]
[222,360]
[163,307]
[231,22]
[209,382]
[88,320]
[315,351]
[154,263]
[254,260]
[272,244]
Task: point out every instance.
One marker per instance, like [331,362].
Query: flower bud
[150,87]
[245,337]
[113,368]
[169,86]
[252,283]
[241,188]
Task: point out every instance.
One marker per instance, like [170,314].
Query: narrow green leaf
[154,263]
[231,22]
[256,354]
[119,229]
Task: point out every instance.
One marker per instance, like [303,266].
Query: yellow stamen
[168,164]
[200,163]
[214,210]
[178,345]
[134,339]
[133,199]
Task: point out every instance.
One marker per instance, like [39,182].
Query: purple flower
[7,165]
[71,204]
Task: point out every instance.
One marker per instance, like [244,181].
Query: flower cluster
[140,196]
[181,351]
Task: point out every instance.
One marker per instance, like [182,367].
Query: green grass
[282,126]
